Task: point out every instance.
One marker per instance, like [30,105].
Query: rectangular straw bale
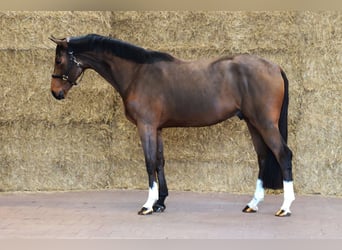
[31,29]
[205,28]
[26,91]
[201,143]
[189,175]
[318,135]
[204,176]
[319,138]
[47,157]
[322,58]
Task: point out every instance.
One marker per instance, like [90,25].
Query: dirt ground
[112,214]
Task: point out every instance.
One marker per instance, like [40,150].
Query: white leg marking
[289,196]
[258,195]
[152,196]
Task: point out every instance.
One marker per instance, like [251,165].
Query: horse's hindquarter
[261,87]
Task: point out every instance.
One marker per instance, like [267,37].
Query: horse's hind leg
[159,206]
[283,154]
[261,150]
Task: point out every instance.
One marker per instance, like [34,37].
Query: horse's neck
[118,72]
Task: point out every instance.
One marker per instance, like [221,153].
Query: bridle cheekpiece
[65,76]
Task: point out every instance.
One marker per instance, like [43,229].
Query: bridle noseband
[65,76]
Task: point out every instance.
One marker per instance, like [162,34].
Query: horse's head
[67,69]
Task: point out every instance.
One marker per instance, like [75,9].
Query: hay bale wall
[85,142]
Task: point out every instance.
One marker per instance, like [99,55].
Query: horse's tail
[272,176]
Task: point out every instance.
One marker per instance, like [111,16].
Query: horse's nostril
[59,95]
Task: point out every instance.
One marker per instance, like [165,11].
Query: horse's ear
[62,42]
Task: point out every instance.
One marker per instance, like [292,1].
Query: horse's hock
[85,141]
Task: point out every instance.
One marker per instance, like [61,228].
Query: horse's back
[252,66]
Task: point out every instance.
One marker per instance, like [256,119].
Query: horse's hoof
[282,213]
[158,208]
[145,211]
[248,209]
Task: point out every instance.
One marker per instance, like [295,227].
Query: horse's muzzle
[59,95]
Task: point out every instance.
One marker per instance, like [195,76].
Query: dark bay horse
[160,91]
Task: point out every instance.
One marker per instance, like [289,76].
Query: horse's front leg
[148,137]
[159,206]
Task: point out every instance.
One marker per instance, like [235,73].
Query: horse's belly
[202,114]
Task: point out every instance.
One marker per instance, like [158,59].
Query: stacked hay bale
[319,131]
[85,141]
[45,144]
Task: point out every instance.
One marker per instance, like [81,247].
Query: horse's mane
[93,42]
